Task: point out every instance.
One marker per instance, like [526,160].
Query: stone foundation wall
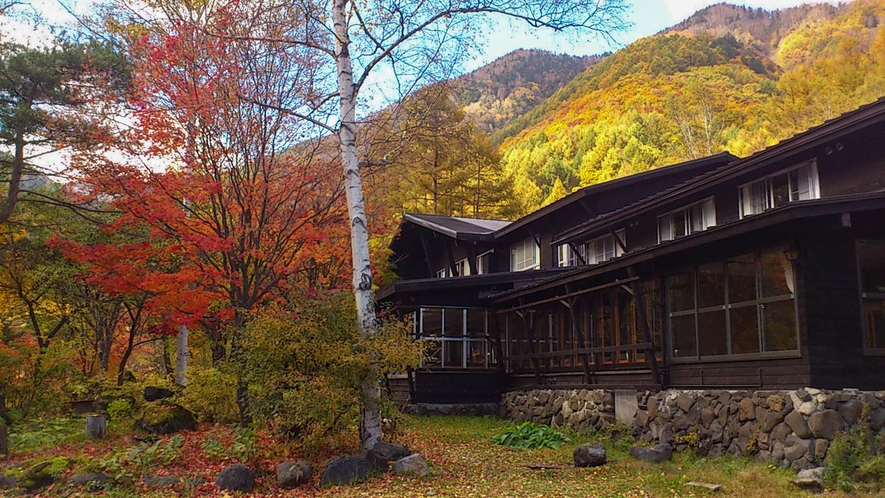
[575,409]
[790,428]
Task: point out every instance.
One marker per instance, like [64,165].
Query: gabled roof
[457,227]
[832,129]
[702,163]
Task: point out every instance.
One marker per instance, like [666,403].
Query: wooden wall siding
[781,373]
[456,387]
[633,379]
[831,313]
[399,390]
[856,168]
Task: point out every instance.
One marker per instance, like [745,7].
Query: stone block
[826,423]
[797,422]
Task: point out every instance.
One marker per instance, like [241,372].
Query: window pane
[432,322]
[777,274]
[779,321]
[754,198]
[454,353]
[432,353]
[871,258]
[454,324]
[681,287]
[711,285]
[780,188]
[711,329]
[664,232]
[744,329]
[683,333]
[741,279]
[476,323]
[696,218]
[874,322]
[679,224]
[801,184]
[476,353]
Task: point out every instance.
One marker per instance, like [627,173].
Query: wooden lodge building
[766,272]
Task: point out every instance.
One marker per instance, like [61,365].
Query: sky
[647,16]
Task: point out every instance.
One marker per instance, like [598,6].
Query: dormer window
[567,255]
[463,267]
[524,255]
[795,184]
[605,248]
[687,220]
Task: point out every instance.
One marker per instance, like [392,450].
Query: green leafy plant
[853,457]
[213,449]
[119,409]
[530,436]
[245,444]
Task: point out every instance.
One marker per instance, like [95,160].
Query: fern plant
[528,436]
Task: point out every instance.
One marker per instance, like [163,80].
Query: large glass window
[740,306]
[686,221]
[524,255]
[871,259]
[455,338]
[796,184]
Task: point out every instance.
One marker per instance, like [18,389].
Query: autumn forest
[198,200]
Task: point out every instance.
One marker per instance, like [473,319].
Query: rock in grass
[390,452]
[346,470]
[7,482]
[411,465]
[656,453]
[156,393]
[159,418]
[160,481]
[91,480]
[589,455]
[810,479]
[293,474]
[236,477]
[38,473]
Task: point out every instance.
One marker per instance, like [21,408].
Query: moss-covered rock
[165,418]
[37,473]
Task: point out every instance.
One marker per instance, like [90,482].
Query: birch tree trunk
[370,416]
[181,356]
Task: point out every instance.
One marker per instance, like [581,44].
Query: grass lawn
[464,464]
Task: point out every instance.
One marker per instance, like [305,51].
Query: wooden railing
[590,359]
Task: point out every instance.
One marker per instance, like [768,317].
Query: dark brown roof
[704,162]
[455,226]
[828,130]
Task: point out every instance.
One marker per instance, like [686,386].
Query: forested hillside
[750,79]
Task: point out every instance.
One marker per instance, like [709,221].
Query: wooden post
[4,441]
[579,334]
[528,326]
[638,300]
[96,426]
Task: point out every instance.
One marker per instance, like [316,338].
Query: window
[567,256]
[463,267]
[796,184]
[686,221]
[524,255]
[871,260]
[744,305]
[455,338]
[605,248]
[445,272]
[483,261]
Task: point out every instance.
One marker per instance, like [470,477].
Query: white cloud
[682,9]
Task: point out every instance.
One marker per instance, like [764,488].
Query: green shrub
[305,366]
[531,436]
[30,438]
[119,409]
[852,458]
[211,394]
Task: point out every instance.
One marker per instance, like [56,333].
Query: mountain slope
[514,83]
[722,80]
